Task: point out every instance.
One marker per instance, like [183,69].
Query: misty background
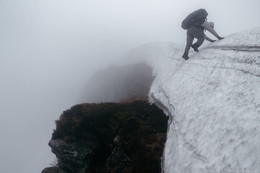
[50,48]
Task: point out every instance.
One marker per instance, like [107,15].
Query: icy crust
[214,102]
[249,38]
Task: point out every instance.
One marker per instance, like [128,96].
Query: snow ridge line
[237,48]
[227,68]
[189,145]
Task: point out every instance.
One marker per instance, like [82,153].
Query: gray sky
[49,48]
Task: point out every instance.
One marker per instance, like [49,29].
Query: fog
[50,48]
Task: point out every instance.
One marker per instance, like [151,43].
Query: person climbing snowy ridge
[195,24]
[213,103]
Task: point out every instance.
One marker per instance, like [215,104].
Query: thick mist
[50,48]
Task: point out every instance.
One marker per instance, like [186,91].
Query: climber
[195,24]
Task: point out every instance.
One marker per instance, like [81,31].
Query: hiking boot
[195,48]
[184,56]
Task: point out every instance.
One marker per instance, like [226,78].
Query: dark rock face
[71,154]
[118,160]
[110,137]
[52,170]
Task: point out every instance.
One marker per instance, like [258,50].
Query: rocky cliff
[109,137]
[213,104]
[123,137]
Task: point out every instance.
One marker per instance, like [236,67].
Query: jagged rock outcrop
[52,170]
[110,137]
[72,154]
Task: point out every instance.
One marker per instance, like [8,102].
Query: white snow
[213,101]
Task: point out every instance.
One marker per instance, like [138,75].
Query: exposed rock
[118,160]
[110,137]
[52,170]
[74,154]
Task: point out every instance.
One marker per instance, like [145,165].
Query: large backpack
[196,18]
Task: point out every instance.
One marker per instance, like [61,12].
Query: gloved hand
[212,41]
[220,38]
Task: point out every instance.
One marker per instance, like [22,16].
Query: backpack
[196,18]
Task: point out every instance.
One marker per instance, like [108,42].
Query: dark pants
[194,32]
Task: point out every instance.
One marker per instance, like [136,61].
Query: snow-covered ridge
[213,100]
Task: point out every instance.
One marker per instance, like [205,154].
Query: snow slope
[213,101]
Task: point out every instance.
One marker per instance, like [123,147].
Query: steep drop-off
[213,104]
[110,137]
[125,137]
